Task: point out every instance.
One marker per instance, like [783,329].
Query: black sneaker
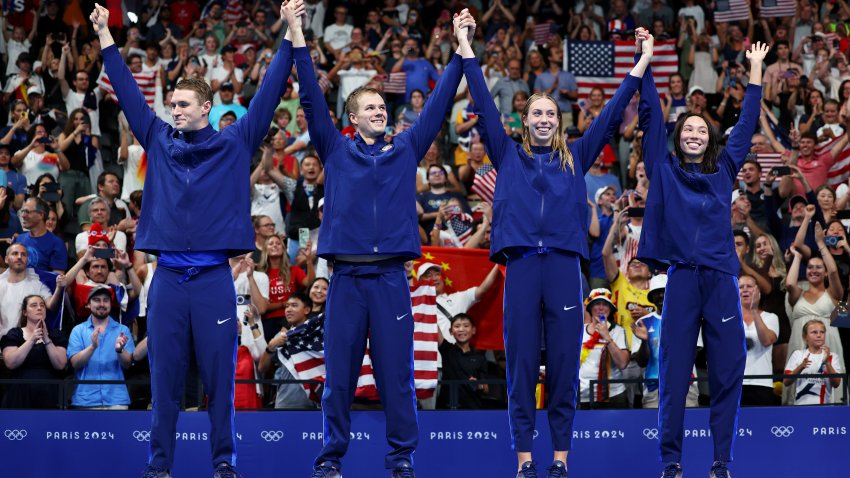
[527,471]
[224,470]
[154,472]
[672,470]
[558,469]
[403,470]
[718,470]
[326,470]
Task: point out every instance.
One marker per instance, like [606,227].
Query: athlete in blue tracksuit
[687,226]
[540,231]
[196,214]
[369,230]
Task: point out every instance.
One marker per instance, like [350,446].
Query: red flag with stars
[465,268]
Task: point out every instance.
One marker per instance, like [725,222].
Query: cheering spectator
[338,34]
[559,84]
[15,136]
[284,279]
[19,282]
[268,187]
[815,358]
[434,157]
[769,271]
[39,156]
[604,354]
[602,205]
[99,349]
[109,188]
[99,228]
[419,70]
[319,295]
[33,352]
[116,273]
[80,148]
[225,103]
[460,361]
[507,86]
[79,95]
[48,251]
[761,329]
[436,196]
[597,178]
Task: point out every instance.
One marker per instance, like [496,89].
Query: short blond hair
[199,85]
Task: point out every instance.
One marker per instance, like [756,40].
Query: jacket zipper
[542,203]
[375,202]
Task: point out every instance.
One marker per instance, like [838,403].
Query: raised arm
[740,139]
[652,124]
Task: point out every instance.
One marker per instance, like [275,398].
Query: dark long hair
[709,158]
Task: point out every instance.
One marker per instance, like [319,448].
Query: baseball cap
[601,191]
[99,289]
[599,294]
[735,195]
[694,89]
[34,90]
[796,199]
[658,282]
[426,267]
[228,48]
[246,47]
[226,86]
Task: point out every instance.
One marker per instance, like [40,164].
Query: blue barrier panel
[771,442]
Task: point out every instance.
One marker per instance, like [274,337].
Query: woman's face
[79,118]
[52,220]
[417,99]
[584,33]
[319,292]
[210,44]
[749,292]
[815,335]
[535,60]
[815,271]
[600,309]
[596,97]
[836,229]
[274,246]
[279,140]
[519,102]
[763,248]
[826,199]
[36,309]
[542,121]
[19,110]
[694,138]
[815,98]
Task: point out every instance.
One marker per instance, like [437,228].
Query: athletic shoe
[672,470]
[224,470]
[404,470]
[527,471]
[326,470]
[718,470]
[153,472]
[558,469]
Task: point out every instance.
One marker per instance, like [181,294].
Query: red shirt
[280,292]
[184,15]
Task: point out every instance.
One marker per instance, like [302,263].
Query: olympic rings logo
[782,431]
[15,435]
[650,433]
[271,435]
[142,435]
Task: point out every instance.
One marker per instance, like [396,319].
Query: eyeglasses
[271,224]
[436,173]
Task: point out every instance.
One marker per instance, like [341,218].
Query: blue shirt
[538,204]
[218,111]
[566,81]
[419,71]
[593,184]
[196,189]
[687,212]
[104,364]
[46,252]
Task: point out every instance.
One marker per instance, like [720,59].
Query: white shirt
[134,178]
[350,80]
[12,296]
[244,288]
[74,100]
[220,73]
[13,50]
[337,36]
[456,303]
[265,200]
[759,357]
[589,369]
[34,166]
[811,391]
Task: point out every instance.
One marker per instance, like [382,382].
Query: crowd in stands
[73,295]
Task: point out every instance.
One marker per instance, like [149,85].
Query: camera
[831,241]
[243,299]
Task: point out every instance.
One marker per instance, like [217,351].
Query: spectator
[298,147]
[227,119]
[815,168]
[674,104]
[602,205]
[52,198]
[33,352]
[17,84]
[776,73]
[460,361]
[409,113]
[248,354]
[15,135]
[225,103]
[39,113]
[108,188]
[761,330]
[319,295]
[10,224]
[419,70]
[560,85]
[99,349]
[263,229]
[78,94]
[338,34]
[658,10]
[225,71]
[597,178]
[163,27]
[19,282]
[768,269]
[289,395]
[436,196]
[39,156]
[19,41]
[116,273]
[703,56]
[507,86]
[817,302]
[252,285]
[815,358]
[80,148]
[99,227]
[349,73]
[45,250]
[132,157]
[184,14]
[268,187]
[753,191]
[304,196]
[476,158]
[604,354]
[826,202]
[284,279]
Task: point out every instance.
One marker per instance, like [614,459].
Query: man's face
[607,198]
[434,274]
[436,177]
[411,48]
[98,271]
[798,211]
[515,69]
[100,305]
[476,152]
[340,15]
[370,119]
[782,52]
[99,213]
[637,271]
[265,229]
[296,311]
[135,64]
[750,173]
[830,113]
[310,168]
[5,157]
[225,121]
[17,258]
[741,246]
[81,81]
[300,119]
[760,144]
[226,95]
[111,187]
[30,217]
[807,146]
[187,111]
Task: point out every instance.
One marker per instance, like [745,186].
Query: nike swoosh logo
[569,308]
[727,319]
[401,317]
[223,321]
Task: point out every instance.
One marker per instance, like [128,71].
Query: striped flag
[461,226]
[606,64]
[782,8]
[424,301]
[484,183]
[767,161]
[145,79]
[731,10]
[304,353]
[542,31]
[840,170]
[396,83]
[233,12]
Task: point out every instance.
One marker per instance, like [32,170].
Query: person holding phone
[40,156]
[604,354]
[540,232]
[687,227]
[196,216]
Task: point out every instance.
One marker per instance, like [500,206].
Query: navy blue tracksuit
[196,214]
[687,227]
[369,230]
[540,232]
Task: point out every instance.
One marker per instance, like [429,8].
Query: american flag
[233,12]
[542,31]
[484,183]
[606,64]
[424,300]
[304,353]
[461,225]
[145,79]
[733,10]
[767,161]
[396,83]
[783,8]
[840,170]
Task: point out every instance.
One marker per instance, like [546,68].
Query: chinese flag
[465,268]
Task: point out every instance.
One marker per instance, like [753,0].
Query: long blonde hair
[778,262]
[559,141]
[263,266]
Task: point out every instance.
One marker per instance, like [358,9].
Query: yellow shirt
[627,295]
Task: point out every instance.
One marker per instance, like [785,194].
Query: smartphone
[781,171]
[843,214]
[104,253]
[636,211]
[271,134]
[45,140]
[303,237]
[255,256]
[51,192]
